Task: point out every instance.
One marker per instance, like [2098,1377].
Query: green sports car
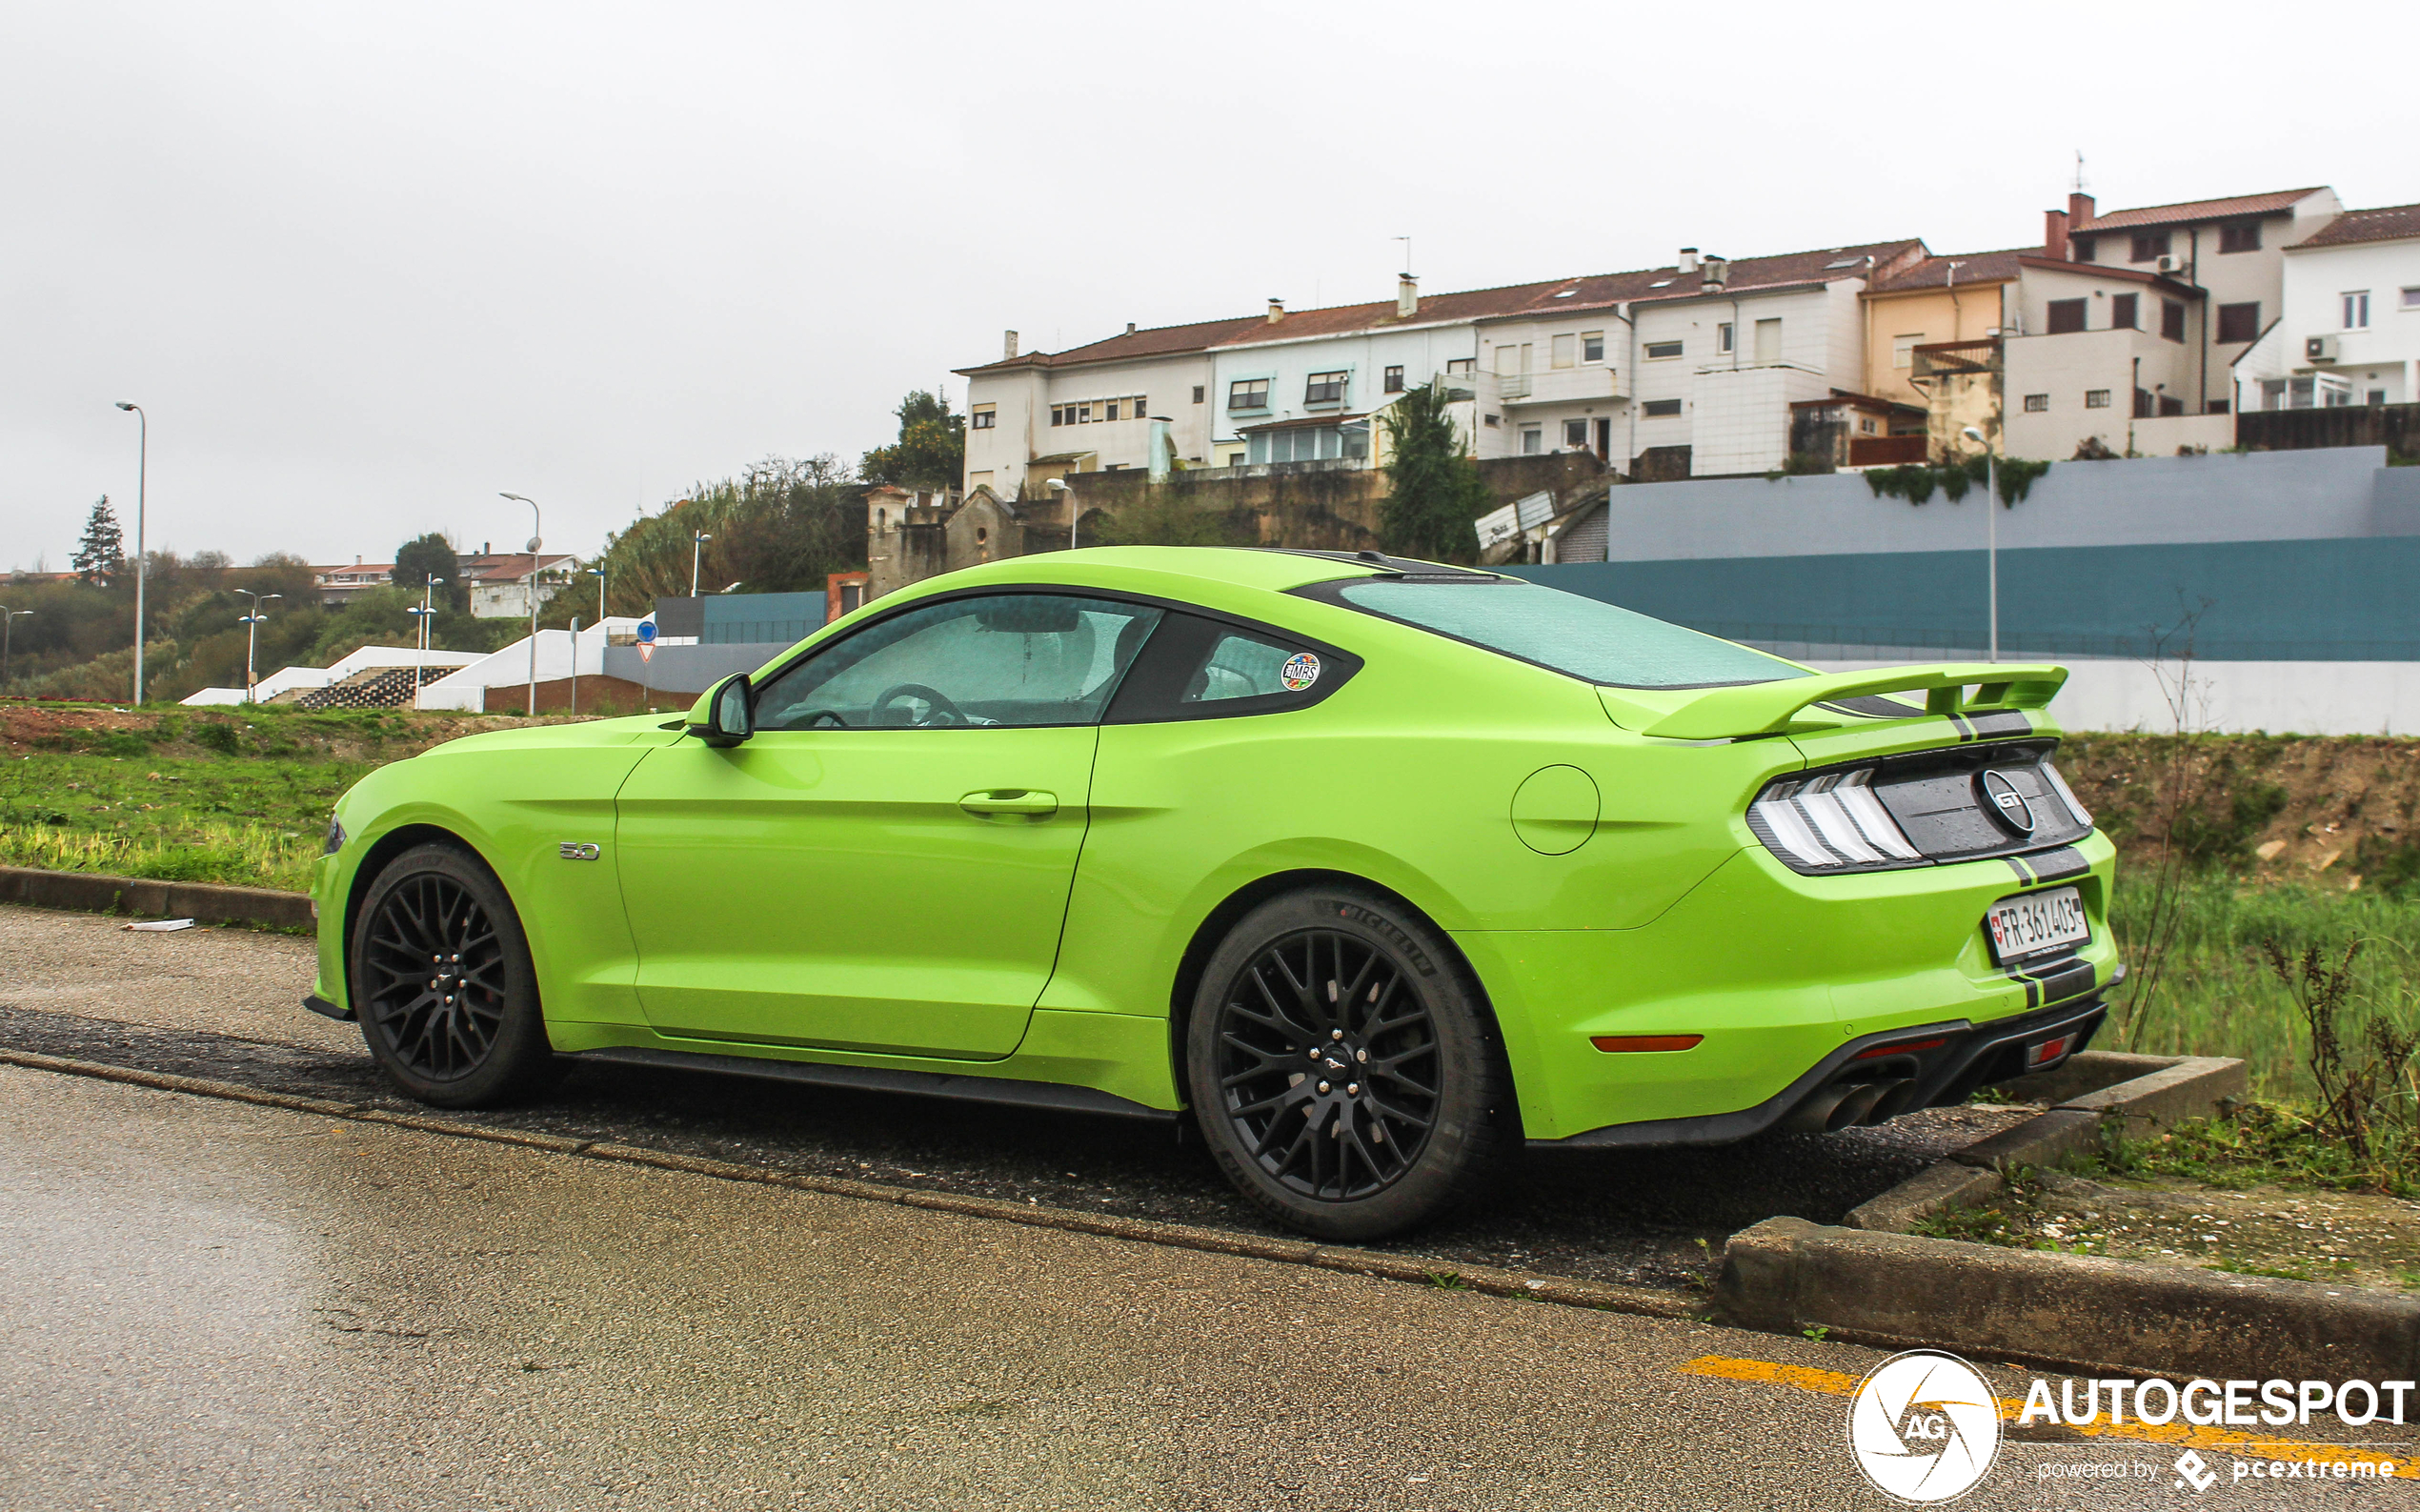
[1373,869]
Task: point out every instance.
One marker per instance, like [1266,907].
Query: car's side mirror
[725,714]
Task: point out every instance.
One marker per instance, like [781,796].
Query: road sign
[646,631]
[646,651]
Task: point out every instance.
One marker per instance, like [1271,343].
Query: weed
[1442,1280]
[2362,1086]
[1819,1333]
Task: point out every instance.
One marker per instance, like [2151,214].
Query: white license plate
[2036,924]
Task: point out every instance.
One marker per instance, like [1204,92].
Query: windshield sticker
[1300,672]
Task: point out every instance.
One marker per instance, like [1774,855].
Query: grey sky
[366,266]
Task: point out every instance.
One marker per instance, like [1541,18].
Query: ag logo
[1924,1427]
[2008,805]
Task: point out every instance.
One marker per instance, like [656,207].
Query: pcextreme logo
[1924,1427]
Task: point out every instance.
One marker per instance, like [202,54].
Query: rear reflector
[2049,1050]
[1615,1043]
[1910,1048]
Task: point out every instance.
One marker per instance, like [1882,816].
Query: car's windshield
[1584,638]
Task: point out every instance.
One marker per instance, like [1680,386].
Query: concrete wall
[687,670]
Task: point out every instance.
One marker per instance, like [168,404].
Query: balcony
[1956,359]
[1561,386]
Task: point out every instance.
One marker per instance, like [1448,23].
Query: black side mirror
[726,714]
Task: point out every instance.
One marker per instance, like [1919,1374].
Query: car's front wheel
[442,982]
[1344,1071]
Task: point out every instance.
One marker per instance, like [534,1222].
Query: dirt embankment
[373,735]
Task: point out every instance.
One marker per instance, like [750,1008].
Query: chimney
[1406,298]
[1688,259]
[1277,310]
[2054,234]
[2080,210]
[1130,328]
[485,548]
[1008,346]
[1714,271]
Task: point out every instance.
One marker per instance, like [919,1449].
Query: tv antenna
[2079,171]
[1408,254]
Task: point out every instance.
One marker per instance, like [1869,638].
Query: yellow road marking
[2182,1436]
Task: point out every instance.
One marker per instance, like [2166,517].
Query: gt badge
[1300,672]
[2008,805]
[577,850]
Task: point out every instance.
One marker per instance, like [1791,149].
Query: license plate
[2036,924]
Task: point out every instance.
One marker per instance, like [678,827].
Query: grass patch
[2268,1144]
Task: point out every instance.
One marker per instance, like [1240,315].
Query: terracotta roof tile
[1157,342]
[1973,268]
[2392,223]
[2193,210]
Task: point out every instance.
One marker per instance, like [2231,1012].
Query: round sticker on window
[1300,672]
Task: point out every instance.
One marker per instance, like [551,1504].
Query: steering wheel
[943,711]
[825,720]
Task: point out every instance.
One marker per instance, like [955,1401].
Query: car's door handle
[1010,801]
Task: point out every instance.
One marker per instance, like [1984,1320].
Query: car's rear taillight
[2067,793]
[1833,821]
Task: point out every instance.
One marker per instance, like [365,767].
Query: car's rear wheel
[1344,1071]
[443,987]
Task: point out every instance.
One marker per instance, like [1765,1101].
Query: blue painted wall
[2344,599]
[748,619]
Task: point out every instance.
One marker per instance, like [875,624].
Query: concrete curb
[203,902]
[1569,1291]
[2067,1312]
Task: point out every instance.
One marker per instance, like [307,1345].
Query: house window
[1658,351]
[1663,409]
[1084,414]
[1533,440]
[2244,235]
[1565,350]
[2093,399]
[1495,419]
[1723,337]
[2066,315]
[2377,396]
[1903,350]
[2150,246]
[2412,296]
[2216,407]
[2239,322]
[1057,415]
[1109,411]
[1592,346]
[1248,394]
[1462,366]
[2357,309]
[1325,387]
[1575,434]
[1197,393]
[2122,312]
[1140,404]
[2040,403]
[1768,341]
[2086,249]
[1395,378]
[1864,427]
[2171,320]
[983,418]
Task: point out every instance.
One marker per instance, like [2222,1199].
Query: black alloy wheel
[442,982]
[1344,1067]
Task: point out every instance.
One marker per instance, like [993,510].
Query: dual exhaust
[1847,1105]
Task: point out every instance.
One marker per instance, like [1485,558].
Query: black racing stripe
[2000,723]
[2066,978]
[2019,867]
[1965,727]
[2057,866]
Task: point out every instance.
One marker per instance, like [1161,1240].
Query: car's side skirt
[1051,1095]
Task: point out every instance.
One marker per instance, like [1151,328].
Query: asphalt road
[223,1005]
[215,1304]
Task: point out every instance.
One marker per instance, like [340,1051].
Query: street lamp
[424,641]
[7,623]
[251,624]
[142,480]
[598,572]
[1991,511]
[1060,485]
[697,540]
[534,544]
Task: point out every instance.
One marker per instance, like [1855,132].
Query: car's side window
[997,659]
[1197,668]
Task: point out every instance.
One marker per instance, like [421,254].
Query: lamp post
[534,544]
[142,482]
[251,624]
[576,666]
[425,640]
[1060,485]
[7,623]
[598,572]
[697,540]
[1991,511]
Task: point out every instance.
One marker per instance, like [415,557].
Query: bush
[219,735]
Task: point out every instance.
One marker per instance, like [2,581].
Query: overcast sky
[366,266]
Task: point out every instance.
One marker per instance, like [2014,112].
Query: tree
[428,556]
[1434,491]
[100,558]
[931,451]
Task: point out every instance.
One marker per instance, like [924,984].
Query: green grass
[2264,1144]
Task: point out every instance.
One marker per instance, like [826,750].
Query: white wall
[2386,355]
[2103,356]
[1821,347]
[557,656]
[2233,697]
[1022,399]
[1363,357]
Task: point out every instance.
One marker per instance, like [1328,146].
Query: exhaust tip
[1893,1100]
[1852,1110]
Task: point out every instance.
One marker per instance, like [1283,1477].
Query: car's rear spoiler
[1767,708]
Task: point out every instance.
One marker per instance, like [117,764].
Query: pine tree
[100,558]
[1434,491]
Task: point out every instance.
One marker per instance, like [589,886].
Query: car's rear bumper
[1775,976]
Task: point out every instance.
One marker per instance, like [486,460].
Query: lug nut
[1360,1055]
[1323,1086]
[1353,1088]
[1336,1034]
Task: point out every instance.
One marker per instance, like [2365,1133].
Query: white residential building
[2348,329]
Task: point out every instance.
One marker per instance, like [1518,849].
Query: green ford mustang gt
[1377,867]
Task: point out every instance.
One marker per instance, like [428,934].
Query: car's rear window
[1584,638]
